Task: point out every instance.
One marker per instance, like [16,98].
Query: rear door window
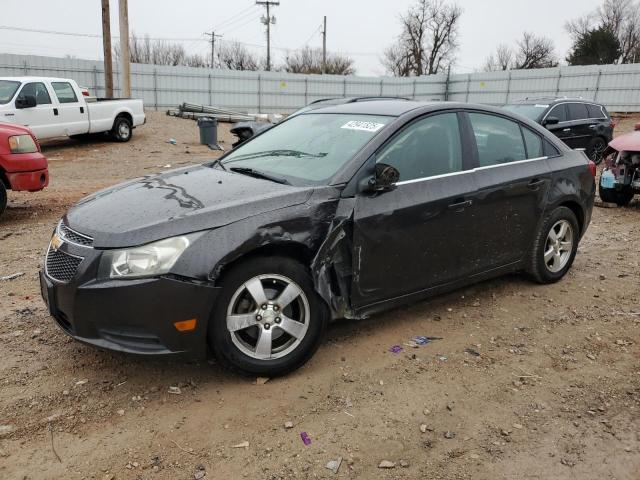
[37,90]
[64,92]
[499,140]
[577,111]
[559,112]
[428,147]
[595,111]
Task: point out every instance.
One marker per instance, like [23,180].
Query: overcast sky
[360,28]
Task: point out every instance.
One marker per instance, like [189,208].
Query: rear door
[75,117]
[43,119]
[513,179]
[562,129]
[578,121]
[413,237]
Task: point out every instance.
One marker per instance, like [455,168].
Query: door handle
[593,127]
[81,109]
[55,111]
[566,130]
[534,184]
[461,205]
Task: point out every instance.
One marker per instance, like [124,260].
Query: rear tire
[555,246]
[596,148]
[3,198]
[122,129]
[249,334]
[619,197]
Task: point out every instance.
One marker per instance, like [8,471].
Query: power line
[240,20]
[232,18]
[252,19]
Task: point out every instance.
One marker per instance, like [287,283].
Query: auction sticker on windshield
[360,125]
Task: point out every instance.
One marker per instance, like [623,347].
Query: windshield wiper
[278,153]
[218,162]
[259,174]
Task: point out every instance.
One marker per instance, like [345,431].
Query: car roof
[35,79]
[395,108]
[552,100]
[367,98]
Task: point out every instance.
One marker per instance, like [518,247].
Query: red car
[22,165]
[620,179]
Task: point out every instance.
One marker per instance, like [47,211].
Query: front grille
[61,266]
[74,237]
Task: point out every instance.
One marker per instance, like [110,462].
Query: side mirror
[385,178]
[551,121]
[26,101]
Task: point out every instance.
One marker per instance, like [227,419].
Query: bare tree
[309,60]
[531,52]
[501,60]
[159,52]
[235,56]
[621,17]
[428,41]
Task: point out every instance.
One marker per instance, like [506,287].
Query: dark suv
[578,123]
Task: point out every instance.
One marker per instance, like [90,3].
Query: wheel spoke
[293,328]
[552,235]
[563,231]
[263,346]
[288,295]
[548,255]
[257,291]
[557,261]
[566,246]
[241,321]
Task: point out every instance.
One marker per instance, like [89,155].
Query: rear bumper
[30,181]
[134,316]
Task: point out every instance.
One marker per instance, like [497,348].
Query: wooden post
[124,49]
[106,50]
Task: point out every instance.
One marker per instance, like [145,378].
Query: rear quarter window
[577,111]
[595,111]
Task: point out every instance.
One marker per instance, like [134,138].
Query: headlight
[22,144]
[148,260]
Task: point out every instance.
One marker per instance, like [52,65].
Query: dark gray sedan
[338,212]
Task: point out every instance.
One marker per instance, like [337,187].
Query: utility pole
[268,20]
[106,49]
[125,66]
[324,45]
[213,45]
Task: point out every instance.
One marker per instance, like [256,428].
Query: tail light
[592,168]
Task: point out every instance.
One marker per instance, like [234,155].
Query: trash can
[208,130]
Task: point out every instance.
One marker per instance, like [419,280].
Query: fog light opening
[186,325]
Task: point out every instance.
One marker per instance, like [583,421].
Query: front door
[512,180]
[44,119]
[409,239]
[562,129]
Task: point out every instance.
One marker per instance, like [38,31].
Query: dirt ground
[549,388]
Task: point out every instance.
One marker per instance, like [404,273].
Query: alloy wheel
[268,316]
[558,246]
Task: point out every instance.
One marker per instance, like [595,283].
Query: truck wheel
[555,246]
[619,197]
[268,319]
[121,131]
[3,197]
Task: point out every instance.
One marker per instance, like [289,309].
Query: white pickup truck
[55,107]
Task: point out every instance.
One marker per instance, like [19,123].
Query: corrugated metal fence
[616,86]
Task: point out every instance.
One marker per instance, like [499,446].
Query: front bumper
[132,316]
[30,181]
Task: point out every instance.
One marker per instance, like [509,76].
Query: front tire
[3,198]
[122,129]
[555,246]
[268,319]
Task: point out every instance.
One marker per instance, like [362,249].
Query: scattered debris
[200,474]
[387,464]
[404,464]
[244,444]
[305,438]
[396,349]
[175,390]
[449,435]
[518,426]
[194,111]
[334,465]
[288,424]
[473,352]
[120,412]
[172,141]
[424,428]
[450,406]
[591,356]
[262,380]
[5,430]
[82,382]
[13,276]
[52,445]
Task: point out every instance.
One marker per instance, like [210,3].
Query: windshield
[7,90]
[306,149]
[531,111]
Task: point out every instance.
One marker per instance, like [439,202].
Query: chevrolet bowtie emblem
[56,242]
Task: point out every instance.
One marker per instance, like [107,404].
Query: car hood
[175,203]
